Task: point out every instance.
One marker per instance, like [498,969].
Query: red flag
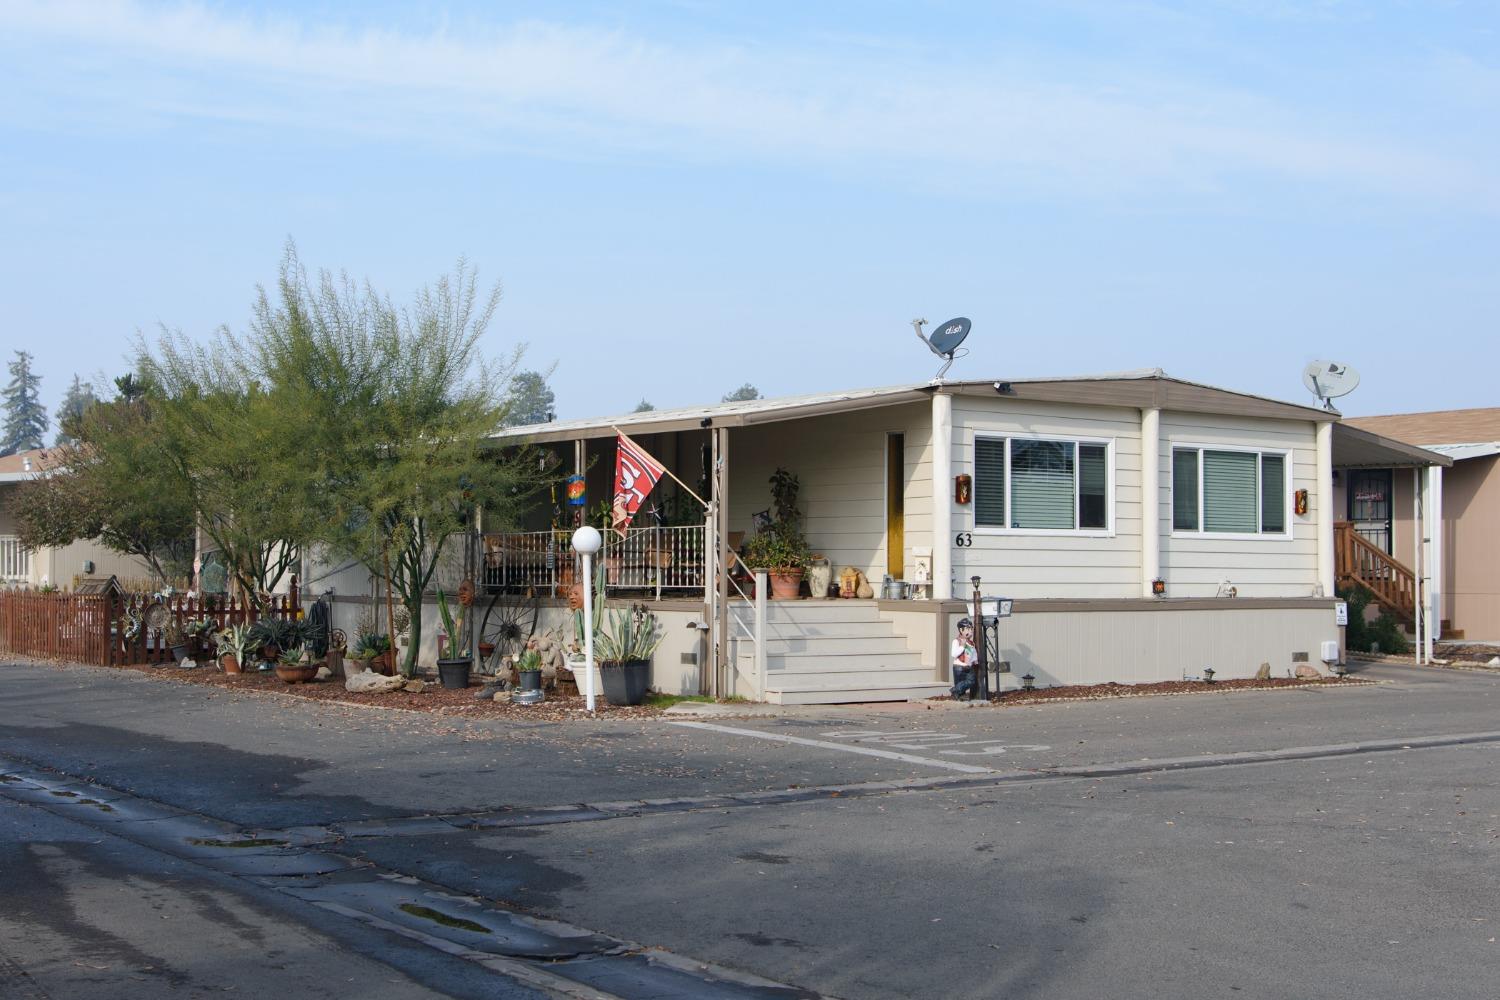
[636,473]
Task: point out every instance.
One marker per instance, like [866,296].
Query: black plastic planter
[626,683]
[454,673]
[531,680]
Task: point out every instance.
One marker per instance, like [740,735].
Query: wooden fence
[111,629]
[56,626]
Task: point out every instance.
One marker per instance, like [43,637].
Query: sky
[680,197]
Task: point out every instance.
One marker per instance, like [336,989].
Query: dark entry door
[1370,506]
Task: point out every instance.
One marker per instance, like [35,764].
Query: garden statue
[550,648]
[848,581]
[965,659]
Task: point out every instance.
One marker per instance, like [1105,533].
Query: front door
[895,505]
[1370,506]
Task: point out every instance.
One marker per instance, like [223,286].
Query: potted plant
[271,636]
[529,670]
[198,635]
[234,644]
[372,651]
[780,548]
[454,660]
[297,666]
[625,646]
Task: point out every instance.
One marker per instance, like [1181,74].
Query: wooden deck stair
[1358,562]
[833,652]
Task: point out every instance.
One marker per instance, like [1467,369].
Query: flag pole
[668,471]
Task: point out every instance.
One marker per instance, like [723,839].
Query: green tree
[354,425]
[25,417]
[79,397]
[643,407]
[742,394]
[531,400]
[113,482]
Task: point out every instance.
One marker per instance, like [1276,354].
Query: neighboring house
[1146,527]
[1379,503]
[24,567]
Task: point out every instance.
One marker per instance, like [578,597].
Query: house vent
[1299,657]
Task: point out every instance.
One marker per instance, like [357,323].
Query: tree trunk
[413,637]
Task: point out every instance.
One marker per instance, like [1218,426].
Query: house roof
[1436,426]
[1356,448]
[1473,449]
[1141,388]
[15,468]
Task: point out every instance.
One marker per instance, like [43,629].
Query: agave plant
[236,640]
[628,635]
[456,645]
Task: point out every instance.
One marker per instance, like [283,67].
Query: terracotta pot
[297,675]
[785,584]
[229,663]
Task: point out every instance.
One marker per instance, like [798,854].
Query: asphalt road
[1269,844]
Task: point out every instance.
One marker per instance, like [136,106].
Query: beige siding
[840,461]
[1020,565]
[1196,565]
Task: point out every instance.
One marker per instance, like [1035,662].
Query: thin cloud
[569,90]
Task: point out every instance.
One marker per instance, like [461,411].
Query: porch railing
[657,560]
[15,560]
[1357,561]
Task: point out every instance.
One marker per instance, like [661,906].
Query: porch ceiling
[1358,449]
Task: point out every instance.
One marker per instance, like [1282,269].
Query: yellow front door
[895,501]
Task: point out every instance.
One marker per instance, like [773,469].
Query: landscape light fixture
[1208,675]
[1028,682]
[587,541]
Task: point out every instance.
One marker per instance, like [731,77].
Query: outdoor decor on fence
[111,630]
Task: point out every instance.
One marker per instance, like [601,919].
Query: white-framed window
[1230,491]
[1043,485]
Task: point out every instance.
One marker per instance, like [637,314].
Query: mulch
[1466,652]
[559,707]
[1097,692]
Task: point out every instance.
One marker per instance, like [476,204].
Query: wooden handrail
[1358,562]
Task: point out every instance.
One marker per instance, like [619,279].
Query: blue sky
[681,197]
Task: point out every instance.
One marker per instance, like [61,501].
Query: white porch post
[1325,507]
[1433,556]
[1150,498]
[942,503]
[1418,531]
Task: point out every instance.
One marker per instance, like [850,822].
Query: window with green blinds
[1185,490]
[1229,491]
[989,482]
[1273,494]
[1042,484]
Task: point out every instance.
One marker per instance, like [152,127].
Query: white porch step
[837,645]
[852,677]
[850,695]
[782,629]
[823,611]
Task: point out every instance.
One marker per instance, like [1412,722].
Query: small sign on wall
[1341,613]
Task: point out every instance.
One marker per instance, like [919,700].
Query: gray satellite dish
[945,341]
[1328,380]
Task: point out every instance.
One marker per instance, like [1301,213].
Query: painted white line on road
[842,747]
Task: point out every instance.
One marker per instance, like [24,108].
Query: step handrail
[1359,561]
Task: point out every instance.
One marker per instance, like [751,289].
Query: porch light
[1028,682]
[1208,675]
[1158,587]
[586,541]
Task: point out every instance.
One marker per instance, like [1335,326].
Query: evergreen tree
[531,400]
[80,397]
[742,394]
[643,407]
[25,417]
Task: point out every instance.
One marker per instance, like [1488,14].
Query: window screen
[989,482]
[1273,493]
[1185,491]
[1041,484]
[1093,483]
[1229,491]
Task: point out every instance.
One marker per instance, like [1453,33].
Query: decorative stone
[502,697]
[373,683]
[415,686]
[1307,671]
[1264,673]
[324,674]
[188,663]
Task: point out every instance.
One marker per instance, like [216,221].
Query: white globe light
[587,540]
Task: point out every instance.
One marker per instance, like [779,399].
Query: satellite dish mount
[1328,380]
[944,342]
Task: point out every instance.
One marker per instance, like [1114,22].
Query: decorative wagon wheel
[509,620]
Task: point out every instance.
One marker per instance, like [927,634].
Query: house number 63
[964,540]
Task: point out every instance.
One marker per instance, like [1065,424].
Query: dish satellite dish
[1329,379]
[945,341]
